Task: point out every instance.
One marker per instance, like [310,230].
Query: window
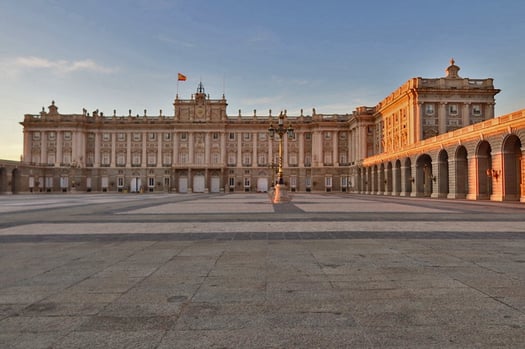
[215,158]
[308,135]
[199,158]
[152,159]
[308,181]
[152,136]
[231,136]
[327,135]
[232,159]
[121,136]
[66,158]
[293,182]
[166,159]
[183,158]
[476,110]
[231,182]
[328,158]
[328,182]
[106,136]
[51,136]
[135,159]
[263,136]
[121,159]
[67,135]
[308,159]
[293,159]
[342,135]
[51,158]
[215,136]
[120,182]
[247,136]
[184,136]
[36,136]
[167,136]
[262,159]
[429,109]
[90,158]
[343,159]
[151,182]
[453,109]
[247,159]
[106,158]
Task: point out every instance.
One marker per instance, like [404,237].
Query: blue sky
[329,55]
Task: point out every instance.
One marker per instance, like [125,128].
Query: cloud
[60,66]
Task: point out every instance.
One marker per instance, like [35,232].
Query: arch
[408,180]
[442,175]
[3,180]
[511,168]
[484,164]
[382,179]
[461,170]
[397,178]
[15,179]
[375,180]
[357,179]
[424,175]
[389,176]
[368,182]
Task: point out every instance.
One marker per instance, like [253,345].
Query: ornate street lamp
[280,192]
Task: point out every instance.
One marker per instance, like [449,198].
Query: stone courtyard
[235,271]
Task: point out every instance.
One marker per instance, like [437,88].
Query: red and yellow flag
[181,77]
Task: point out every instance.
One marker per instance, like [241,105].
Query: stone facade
[201,149]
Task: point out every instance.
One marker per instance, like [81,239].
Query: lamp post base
[280,194]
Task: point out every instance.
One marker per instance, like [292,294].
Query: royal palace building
[392,148]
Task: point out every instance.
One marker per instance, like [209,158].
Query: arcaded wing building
[198,147]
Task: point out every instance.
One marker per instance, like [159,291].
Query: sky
[288,54]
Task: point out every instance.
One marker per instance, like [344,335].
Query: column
[465,114]
[442,118]
[207,148]
[301,149]
[60,141]
[144,160]
[255,159]
[522,175]
[497,182]
[175,155]
[418,122]
[335,150]
[190,149]
[113,148]
[28,137]
[316,148]
[239,149]
[97,149]
[159,149]
[43,148]
[270,151]
[128,148]
[223,158]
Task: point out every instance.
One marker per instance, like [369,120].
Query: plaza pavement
[235,271]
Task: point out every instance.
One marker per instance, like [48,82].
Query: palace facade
[200,148]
